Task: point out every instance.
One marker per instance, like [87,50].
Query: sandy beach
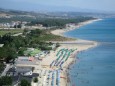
[79,44]
[75,46]
[72,27]
[53,68]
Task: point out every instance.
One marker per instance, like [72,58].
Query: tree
[19,26]
[3,53]
[5,80]
[35,80]
[25,31]
[50,43]
[8,53]
[2,66]
[12,54]
[24,83]
[21,51]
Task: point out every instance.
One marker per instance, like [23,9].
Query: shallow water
[96,66]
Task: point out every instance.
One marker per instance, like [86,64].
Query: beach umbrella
[68,56]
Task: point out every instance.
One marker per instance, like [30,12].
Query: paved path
[17,34]
[8,66]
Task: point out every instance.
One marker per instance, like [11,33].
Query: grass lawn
[13,31]
[52,37]
[32,53]
[36,51]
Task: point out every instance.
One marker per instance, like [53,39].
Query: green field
[32,53]
[13,31]
[36,51]
[52,37]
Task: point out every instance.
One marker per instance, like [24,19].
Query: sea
[95,66]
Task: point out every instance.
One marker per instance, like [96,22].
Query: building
[24,71]
[19,73]
[24,60]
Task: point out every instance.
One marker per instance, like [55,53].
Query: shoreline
[61,32]
[68,51]
[80,44]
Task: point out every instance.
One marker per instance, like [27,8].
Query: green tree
[3,53]
[19,26]
[5,80]
[2,66]
[12,54]
[50,43]
[24,83]
[35,80]
[21,51]
[25,31]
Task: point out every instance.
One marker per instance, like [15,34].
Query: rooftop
[20,69]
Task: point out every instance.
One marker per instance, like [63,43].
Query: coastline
[80,44]
[73,46]
[61,32]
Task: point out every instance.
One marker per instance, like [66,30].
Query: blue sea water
[96,66]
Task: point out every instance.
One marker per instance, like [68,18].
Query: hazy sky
[104,5]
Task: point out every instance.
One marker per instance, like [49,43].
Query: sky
[59,5]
